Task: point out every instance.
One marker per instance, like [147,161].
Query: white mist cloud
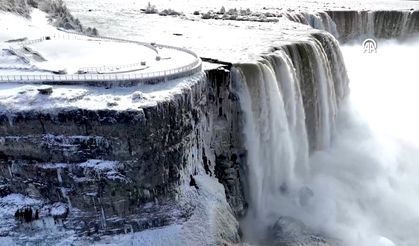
[366,186]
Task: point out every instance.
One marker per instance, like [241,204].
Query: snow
[71,53]
[61,53]
[52,165]
[226,40]
[8,206]
[232,41]
[17,97]
[169,235]
[59,209]
[18,200]
[212,214]
[19,27]
[212,218]
[99,165]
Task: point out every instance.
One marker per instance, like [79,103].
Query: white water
[366,184]
[276,171]
[371,172]
[269,139]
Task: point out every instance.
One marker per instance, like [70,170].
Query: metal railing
[135,77]
[107,69]
[146,77]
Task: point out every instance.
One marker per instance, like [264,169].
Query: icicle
[63,190]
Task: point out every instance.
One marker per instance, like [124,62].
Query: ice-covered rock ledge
[119,158]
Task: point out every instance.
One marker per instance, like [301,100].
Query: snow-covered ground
[71,55]
[16,97]
[232,41]
[14,26]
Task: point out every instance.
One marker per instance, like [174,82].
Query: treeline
[58,12]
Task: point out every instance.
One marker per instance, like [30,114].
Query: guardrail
[106,69]
[149,77]
[133,78]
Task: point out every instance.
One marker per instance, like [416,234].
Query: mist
[366,185]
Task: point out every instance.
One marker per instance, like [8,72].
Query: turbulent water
[361,188]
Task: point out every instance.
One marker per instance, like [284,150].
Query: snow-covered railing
[84,36]
[107,69]
[32,41]
[144,77]
[147,77]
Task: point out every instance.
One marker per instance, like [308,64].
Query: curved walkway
[118,78]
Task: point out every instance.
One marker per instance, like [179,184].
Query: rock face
[124,169]
[230,155]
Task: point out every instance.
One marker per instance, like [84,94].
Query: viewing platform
[72,58]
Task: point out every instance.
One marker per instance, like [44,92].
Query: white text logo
[370,45]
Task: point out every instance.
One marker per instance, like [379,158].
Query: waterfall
[321,21]
[275,95]
[352,25]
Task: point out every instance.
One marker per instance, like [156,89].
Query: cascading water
[359,185]
[353,25]
[272,94]
[271,157]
